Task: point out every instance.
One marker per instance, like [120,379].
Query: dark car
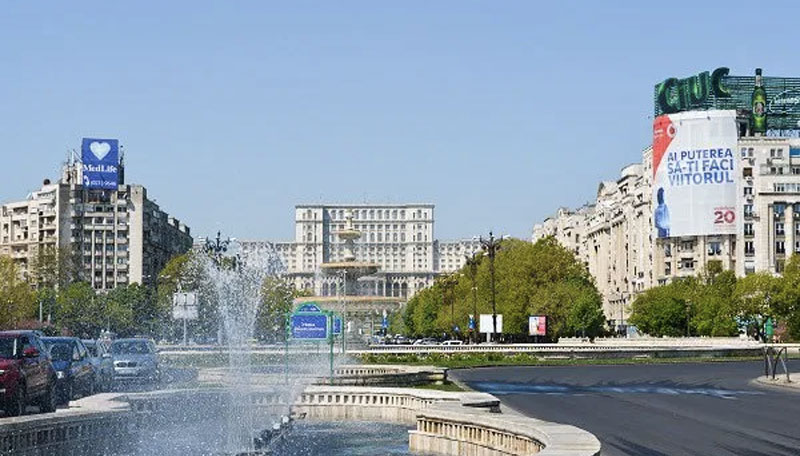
[135,359]
[73,368]
[100,358]
[26,373]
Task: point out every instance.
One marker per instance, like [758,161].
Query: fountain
[356,307]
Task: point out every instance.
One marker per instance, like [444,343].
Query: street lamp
[490,247]
[449,282]
[472,266]
[216,247]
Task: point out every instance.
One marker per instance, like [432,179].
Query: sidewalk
[780,381]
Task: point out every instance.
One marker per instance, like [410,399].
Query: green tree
[79,311]
[530,279]
[17,301]
[758,298]
[713,300]
[663,310]
[187,273]
[277,300]
[789,302]
[134,309]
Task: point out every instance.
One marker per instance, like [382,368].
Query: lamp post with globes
[216,247]
[471,262]
[490,247]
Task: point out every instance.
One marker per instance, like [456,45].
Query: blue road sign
[309,327]
[337,325]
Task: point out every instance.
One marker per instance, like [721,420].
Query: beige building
[399,238]
[614,236]
[116,237]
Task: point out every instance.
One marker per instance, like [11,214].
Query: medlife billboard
[694,173]
[100,163]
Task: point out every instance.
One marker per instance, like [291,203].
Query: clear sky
[233,112]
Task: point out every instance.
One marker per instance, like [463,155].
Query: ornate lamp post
[448,283]
[216,247]
[472,267]
[490,247]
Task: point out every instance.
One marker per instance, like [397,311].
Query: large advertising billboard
[100,159]
[778,98]
[694,173]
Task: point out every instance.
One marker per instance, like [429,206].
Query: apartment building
[115,237]
[615,238]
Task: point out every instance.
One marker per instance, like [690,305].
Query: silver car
[135,359]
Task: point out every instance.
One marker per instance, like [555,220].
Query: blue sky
[232,112]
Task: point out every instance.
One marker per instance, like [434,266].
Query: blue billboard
[309,327]
[100,159]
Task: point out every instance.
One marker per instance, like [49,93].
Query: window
[778,208]
[795,169]
[779,229]
[714,248]
[747,172]
[748,190]
[779,187]
[748,229]
[797,229]
[780,247]
[748,210]
[749,248]
[797,246]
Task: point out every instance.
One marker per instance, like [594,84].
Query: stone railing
[94,425]
[448,430]
[363,375]
[448,423]
[572,351]
[396,405]
[389,375]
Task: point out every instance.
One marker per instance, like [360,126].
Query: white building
[614,236]
[399,238]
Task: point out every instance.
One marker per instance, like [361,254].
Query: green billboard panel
[771,102]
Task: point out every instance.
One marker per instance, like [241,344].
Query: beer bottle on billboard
[759,106]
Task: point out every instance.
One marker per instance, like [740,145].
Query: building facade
[615,235]
[113,237]
[399,238]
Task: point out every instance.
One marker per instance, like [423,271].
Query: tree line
[717,303]
[530,279]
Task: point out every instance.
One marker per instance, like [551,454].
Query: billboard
[100,163]
[720,90]
[486,323]
[537,325]
[694,173]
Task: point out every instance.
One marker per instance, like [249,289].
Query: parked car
[426,341]
[27,375]
[135,359]
[453,342]
[100,358]
[73,368]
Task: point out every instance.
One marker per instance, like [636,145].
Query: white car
[453,342]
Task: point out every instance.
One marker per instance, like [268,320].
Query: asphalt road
[667,409]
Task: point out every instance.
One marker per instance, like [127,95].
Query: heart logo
[100,149]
